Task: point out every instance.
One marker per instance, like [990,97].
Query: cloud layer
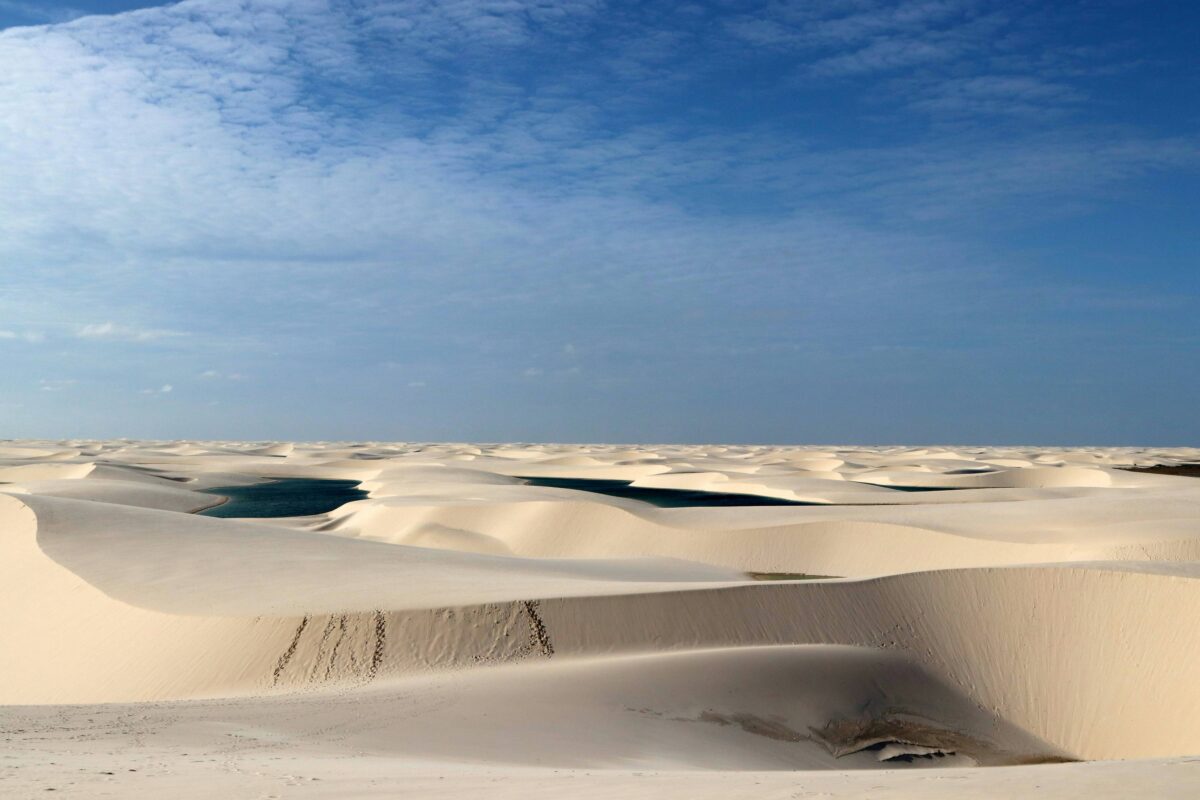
[457,190]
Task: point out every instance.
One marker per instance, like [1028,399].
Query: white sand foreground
[995,622]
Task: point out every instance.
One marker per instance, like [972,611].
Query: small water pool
[284,497]
[663,498]
[689,498]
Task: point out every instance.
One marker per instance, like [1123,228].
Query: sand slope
[458,620]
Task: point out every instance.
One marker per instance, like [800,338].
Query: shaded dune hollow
[662,660]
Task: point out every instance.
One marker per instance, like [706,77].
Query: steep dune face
[808,707]
[67,641]
[1062,652]
[185,564]
[760,708]
[1040,616]
[114,603]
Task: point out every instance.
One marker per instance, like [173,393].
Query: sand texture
[922,622]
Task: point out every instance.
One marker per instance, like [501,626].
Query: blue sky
[850,221]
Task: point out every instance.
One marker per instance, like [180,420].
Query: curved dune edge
[461,617]
[1064,653]
[754,708]
[182,564]
[852,546]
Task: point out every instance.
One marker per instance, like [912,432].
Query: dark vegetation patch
[1184,470]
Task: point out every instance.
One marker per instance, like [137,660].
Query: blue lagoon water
[663,498]
[284,497]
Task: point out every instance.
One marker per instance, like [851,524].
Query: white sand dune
[461,623]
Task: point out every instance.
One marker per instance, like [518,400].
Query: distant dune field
[938,622]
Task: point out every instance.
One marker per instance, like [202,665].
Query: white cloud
[997,94]
[124,333]
[166,388]
[238,169]
[31,337]
[224,158]
[56,385]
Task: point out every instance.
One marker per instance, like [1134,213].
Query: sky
[852,221]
